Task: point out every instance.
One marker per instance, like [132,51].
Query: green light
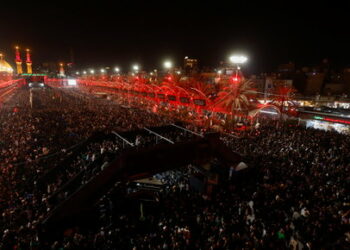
[25,74]
[318,117]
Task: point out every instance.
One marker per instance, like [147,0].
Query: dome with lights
[5,67]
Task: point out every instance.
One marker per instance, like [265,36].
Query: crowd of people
[297,197]
[38,128]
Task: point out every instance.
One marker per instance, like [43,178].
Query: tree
[234,97]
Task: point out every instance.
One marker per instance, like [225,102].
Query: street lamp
[84,72]
[103,70]
[92,71]
[116,69]
[77,73]
[136,67]
[168,65]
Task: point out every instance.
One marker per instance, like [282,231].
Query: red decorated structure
[225,103]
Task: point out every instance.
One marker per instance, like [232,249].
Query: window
[161,96]
[199,102]
[184,100]
[171,97]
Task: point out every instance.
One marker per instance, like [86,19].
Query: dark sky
[108,33]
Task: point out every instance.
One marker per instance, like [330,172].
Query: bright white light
[186,57]
[92,71]
[116,69]
[168,65]
[151,73]
[72,82]
[268,112]
[238,59]
[103,70]
[219,72]
[77,73]
[136,67]
[84,72]
[178,72]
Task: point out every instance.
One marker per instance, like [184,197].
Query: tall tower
[18,61]
[61,70]
[29,63]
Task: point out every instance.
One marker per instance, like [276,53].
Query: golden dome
[5,66]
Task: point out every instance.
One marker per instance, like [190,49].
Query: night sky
[108,33]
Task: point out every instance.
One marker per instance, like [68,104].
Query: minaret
[18,61]
[29,63]
[61,70]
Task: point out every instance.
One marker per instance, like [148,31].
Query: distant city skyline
[100,34]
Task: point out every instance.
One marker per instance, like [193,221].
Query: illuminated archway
[253,113]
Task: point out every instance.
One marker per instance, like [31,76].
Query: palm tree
[235,97]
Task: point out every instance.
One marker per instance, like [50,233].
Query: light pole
[238,60]
[156,75]
[168,66]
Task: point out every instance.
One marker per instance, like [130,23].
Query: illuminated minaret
[61,70]
[18,61]
[29,63]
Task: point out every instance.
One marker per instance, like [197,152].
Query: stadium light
[136,67]
[238,59]
[168,65]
